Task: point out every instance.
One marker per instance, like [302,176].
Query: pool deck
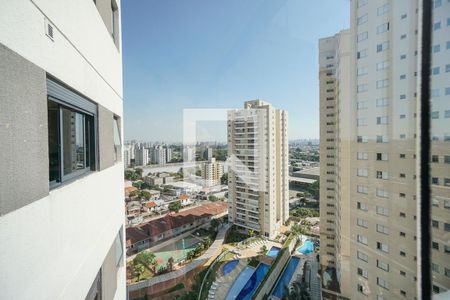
[252,250]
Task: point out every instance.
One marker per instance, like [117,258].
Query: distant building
[171,225]
[258,175]
[159,155]
[159,179]
[168,154]
[208,153]
[189,154]
[127,156]
[211,172]
[141,156]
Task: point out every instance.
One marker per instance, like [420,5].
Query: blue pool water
[307,247]
[285,277]
[239,283]
[273,252]
[229,266]
[252,284]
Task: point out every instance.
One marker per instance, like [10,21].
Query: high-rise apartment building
[368,101]
[211,172]
[258,171]
[208,153]
[158,154]
[168,154]
[61,185]
[141,155]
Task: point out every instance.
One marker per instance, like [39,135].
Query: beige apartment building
[258,171]
[211,172]
[368,97]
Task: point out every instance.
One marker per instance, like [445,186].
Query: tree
[224,179]
[175,206]
[138,171]
[251,232]
[263,249]
[137,184]
[212,198]
[137,270]
[215,223]
[170,263]
[198,173]
[190,255]
[145,194]
[145,259]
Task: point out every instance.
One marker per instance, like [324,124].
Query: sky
[203,54]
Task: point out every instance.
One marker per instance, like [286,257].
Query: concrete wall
[54,247]
[23,113]
[109,274]
[105,137]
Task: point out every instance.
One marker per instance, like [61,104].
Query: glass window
[437,26]
[362,36]
[71,142]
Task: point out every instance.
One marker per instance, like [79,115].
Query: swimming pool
[239,283]
[285,277]
[253,282]
[306,248]
[273,252]
[229,266]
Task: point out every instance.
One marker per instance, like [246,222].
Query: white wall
[22,29]
[54,247]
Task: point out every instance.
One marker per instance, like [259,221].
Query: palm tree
[138,269]
[263,249]
[170,262]
[146,259]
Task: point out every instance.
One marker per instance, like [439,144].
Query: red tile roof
[130,189]
[150,204]
[183,197]
[172,221]
[134,235]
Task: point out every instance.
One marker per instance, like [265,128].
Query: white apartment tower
[141,156]
[368,87]
[212,172]
[258,171]
[61,185]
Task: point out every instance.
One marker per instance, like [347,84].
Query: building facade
[61,191]
[141,156]
[211,172]
[258,172]
[369,149]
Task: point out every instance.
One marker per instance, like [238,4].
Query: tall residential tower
[258,174]
[368,79]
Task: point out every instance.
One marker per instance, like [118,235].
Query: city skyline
[253,50]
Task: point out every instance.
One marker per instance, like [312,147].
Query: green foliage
[263,249]
[170,264]
[224,179]
[198,173]
[220,154]
[234,236]
[313,190]
[138,171]
[215,223]
[212,198]
[144,258]
[175,206]
[304,212]
[137,184]
[132,175]
[253,262]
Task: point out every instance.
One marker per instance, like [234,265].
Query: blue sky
[180,54]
